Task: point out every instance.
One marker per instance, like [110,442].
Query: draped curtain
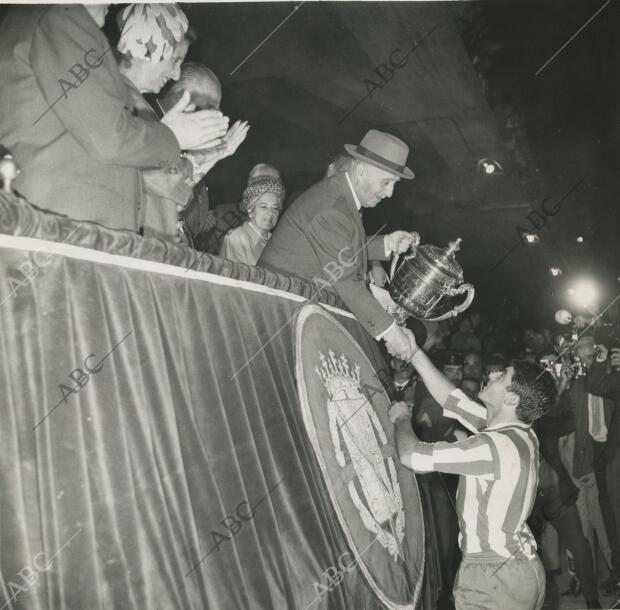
[152,450]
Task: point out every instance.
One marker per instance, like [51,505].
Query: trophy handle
[395,256]
[455,311]
[393,266]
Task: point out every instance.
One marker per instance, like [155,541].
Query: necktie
[596,418]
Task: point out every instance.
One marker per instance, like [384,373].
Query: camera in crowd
[607,334]
[586,331]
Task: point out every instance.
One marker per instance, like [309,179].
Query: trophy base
[400,314]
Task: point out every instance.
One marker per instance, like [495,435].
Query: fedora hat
[383,151]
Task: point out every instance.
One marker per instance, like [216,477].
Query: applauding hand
[204,160]
[195,130]
[233,138]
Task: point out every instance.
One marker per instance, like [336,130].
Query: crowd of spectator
[135,146]
[576,517]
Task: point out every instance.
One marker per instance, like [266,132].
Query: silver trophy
[423,282]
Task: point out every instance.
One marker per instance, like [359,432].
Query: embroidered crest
[362,449]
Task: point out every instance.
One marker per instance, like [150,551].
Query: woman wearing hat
[262,202]
[81,155]
[153,43]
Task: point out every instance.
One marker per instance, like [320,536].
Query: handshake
[400,342]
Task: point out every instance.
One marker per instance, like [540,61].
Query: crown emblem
[337,374]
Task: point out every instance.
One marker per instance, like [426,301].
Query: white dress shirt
[358,205]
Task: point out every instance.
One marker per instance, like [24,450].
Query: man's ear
[357,172]
[511,399]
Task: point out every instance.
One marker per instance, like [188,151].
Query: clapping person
[82,156]
[147,69]
[205,93]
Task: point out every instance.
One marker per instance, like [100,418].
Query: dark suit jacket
[164,188]
[321,238]
[600,383]
[209,227]
[82,157]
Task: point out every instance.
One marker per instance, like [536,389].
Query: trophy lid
[443,258]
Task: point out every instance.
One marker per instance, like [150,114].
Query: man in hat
[321,236]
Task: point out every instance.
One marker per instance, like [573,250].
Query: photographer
[603,379]
[556,500]
[585,457]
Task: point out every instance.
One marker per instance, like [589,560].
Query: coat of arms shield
[376,499]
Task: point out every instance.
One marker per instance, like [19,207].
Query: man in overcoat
[67,117]
[321,236]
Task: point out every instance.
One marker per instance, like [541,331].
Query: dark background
[469,91]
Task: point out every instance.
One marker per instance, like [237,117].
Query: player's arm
[475,456]
[454,402]
[406,439]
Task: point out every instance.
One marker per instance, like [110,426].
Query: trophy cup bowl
[425,280]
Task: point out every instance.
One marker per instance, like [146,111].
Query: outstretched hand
[399,411]
[400,342]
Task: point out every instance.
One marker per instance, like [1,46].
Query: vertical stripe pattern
[497,487]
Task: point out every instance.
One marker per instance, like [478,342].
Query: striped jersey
[497,487]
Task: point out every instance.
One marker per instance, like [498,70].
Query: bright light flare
[584,293]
